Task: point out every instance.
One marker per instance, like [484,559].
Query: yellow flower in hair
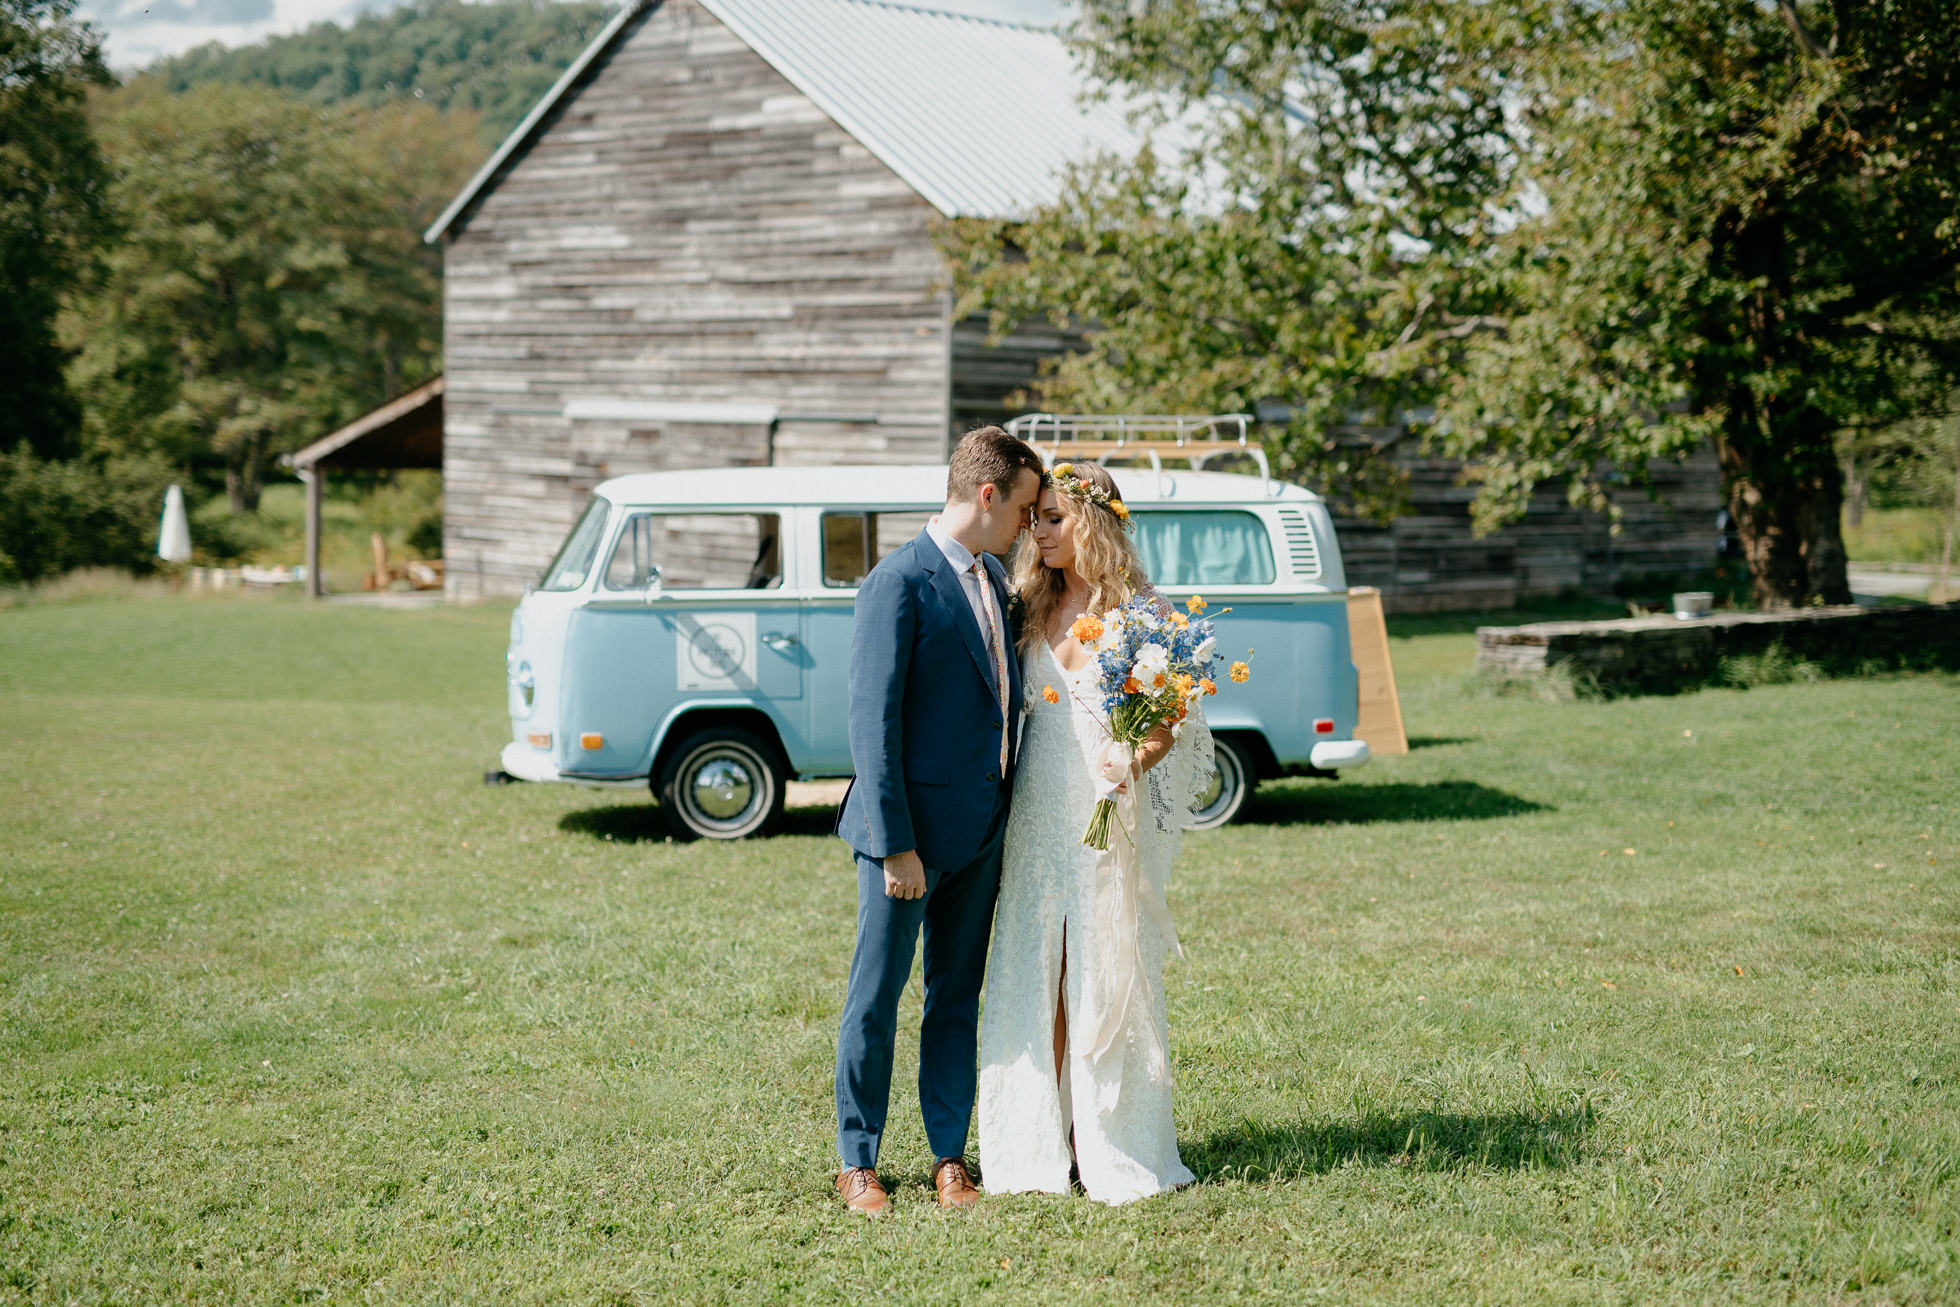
[1119,508]
[1062,469]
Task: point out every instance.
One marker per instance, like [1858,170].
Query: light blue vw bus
[694,631]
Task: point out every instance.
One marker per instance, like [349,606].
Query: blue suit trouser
[957,918]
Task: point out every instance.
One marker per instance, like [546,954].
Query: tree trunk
[244,475]
[1787,510]
[1780,472]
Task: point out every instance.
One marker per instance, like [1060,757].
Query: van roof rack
[1197,439]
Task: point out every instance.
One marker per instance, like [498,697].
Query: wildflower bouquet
[1151,667]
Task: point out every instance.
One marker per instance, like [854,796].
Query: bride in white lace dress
[1073,1039]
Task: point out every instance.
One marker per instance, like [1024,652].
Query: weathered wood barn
[711,243]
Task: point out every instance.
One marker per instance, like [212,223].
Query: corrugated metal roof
[980,117]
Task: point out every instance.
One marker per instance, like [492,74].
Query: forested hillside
[495,58]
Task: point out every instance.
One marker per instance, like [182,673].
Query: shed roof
[979,116]
[404,432]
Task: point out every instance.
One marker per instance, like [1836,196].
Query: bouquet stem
[1097,836]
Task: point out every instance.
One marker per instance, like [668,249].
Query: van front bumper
[1332,755]
[527,764]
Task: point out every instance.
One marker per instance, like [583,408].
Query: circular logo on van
[717,650]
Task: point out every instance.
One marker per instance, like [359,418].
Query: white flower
[1153,661]
[1203,653]
[1112,634]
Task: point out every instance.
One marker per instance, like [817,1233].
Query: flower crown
[1063,475]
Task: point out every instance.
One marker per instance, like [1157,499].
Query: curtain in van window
[1203,548]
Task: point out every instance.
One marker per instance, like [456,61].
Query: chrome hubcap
[723,788]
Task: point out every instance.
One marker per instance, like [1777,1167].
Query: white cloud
[138,32]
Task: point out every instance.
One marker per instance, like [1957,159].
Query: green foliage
[1252,257]
[1591,235]
[1749,233]
[1773,666]
[271,282]
[494,59]
[296,1009]
[61,514]
[52,211]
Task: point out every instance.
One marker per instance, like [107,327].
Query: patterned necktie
[996,649]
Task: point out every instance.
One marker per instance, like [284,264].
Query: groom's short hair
[987,455]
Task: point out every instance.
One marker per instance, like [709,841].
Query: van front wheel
[721,784]
[1229,788]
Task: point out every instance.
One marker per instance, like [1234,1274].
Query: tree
[271,283]
[1256,253]
[496,57]
[1592,234]
[52,211]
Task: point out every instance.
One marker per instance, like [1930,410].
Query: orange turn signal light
[592,740]
[538,739]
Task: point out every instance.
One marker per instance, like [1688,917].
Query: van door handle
[777,640]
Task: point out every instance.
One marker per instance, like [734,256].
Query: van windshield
[574,562]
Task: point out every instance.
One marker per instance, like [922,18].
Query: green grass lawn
[1647,1000]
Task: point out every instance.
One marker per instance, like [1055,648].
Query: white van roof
[910,486]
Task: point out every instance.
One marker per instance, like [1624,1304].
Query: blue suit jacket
[924,717]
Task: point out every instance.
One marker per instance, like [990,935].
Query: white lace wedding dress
[1063,902]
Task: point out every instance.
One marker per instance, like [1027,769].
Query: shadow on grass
[1279,803]
[640,823]
[1429,1141]
[1436,741]
[1283,804]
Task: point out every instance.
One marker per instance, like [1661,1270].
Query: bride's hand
[1113,769]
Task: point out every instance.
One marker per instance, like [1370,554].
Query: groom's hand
[905,876]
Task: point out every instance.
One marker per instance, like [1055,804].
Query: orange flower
[1208,685]
[1240,672]
[1048,694]
[1180,621]
[1196,603]
[1184,682]
[1130,685]
[1086,629]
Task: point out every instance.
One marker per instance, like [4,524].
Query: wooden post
[381,574]
[1380,719]
[314,477]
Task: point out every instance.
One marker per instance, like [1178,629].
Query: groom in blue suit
[935,710]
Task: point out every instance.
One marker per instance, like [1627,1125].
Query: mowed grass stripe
[292,1007]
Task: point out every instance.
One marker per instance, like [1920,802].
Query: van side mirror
[653,584]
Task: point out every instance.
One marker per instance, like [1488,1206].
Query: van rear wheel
[723,783]
[1229,787]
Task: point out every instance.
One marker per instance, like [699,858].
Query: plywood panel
[1380,719]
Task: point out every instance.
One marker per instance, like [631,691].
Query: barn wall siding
[1427,560]
[688,227]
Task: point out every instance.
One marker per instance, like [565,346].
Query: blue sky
[138,31]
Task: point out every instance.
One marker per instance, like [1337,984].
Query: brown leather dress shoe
[861,1192]
[954,1183]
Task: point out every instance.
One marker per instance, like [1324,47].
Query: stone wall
[1658,655]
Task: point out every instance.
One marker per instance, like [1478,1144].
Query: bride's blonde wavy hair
[1105,557]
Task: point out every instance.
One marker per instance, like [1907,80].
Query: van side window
[854,543]
[698,551]
[1203,548]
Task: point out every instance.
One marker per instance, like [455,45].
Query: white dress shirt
[962,560]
